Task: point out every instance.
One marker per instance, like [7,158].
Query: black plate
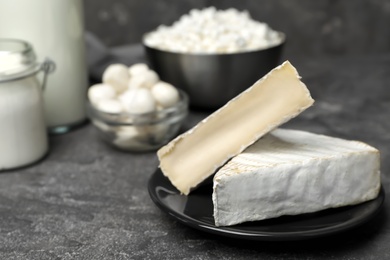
[196,210]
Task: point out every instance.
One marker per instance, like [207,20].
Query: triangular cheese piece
[197,154]
[290,172]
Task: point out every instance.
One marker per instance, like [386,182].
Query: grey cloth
[100,56]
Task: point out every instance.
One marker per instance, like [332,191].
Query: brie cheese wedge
[290,172]
[197,154]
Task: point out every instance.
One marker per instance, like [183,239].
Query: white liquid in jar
[23,137]
[55,29]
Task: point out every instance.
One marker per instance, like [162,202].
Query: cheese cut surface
[197,154]
[290,172]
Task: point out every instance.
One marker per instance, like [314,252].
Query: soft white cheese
[290,172]
[195,155]
[214,31]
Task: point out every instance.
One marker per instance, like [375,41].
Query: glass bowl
[140,132]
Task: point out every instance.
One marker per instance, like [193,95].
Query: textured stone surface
[312,27]
[86,200]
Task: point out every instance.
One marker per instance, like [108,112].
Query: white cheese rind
[195,155]
[290,172]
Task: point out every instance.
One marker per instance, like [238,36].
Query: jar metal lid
[17,60]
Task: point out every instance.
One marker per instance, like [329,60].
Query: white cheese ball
[112,106]
[99,92]
[138,69]
[144,80]
[138,101]
[117,75]
[158,132]
[165,94]
[136,82]
[128,138]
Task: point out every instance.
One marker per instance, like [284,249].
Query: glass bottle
[55,29]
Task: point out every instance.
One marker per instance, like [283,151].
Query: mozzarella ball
[158,132]
[138,69]
[138,101]
[136,82]
[117,75]
[151,78]
[144,80]
[165,94]
[128,138]
[126,96]
[100,92]
[109,106]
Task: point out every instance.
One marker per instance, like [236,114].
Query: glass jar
[23,136]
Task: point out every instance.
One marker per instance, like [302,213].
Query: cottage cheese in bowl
[214,31]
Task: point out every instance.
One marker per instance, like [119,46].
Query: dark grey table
[86,200]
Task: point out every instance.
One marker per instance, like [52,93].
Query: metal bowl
[211,80]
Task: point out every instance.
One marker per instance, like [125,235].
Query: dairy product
[99,92]
[144,80]
[110,106]
[116,76]
[129,107]
[290,172]
[138,69]
[55,29]
[195,155]
[138,101]
[137,88]
[214,31]
[165,94]
[23,137]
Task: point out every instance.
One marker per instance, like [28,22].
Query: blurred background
[313,28]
